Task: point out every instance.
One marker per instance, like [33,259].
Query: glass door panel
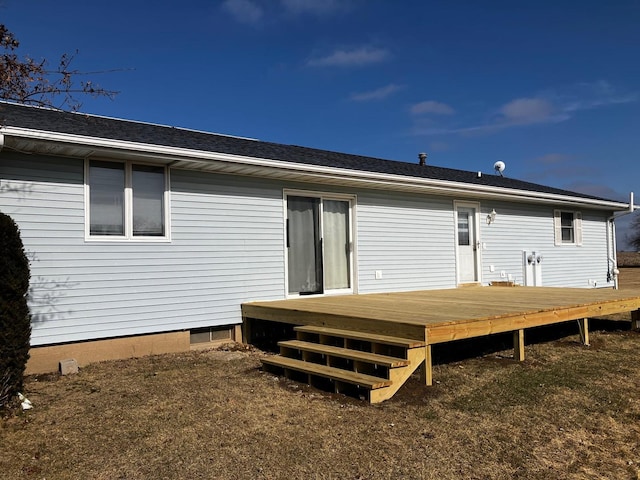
[304,251]
[337,244]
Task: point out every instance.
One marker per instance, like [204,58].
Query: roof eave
[177,157]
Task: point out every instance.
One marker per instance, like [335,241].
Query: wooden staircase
[365,365]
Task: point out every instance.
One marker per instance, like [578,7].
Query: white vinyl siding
[520,227]
[226,249]
[408,239]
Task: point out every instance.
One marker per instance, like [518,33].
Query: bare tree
[633,237]
[33,82]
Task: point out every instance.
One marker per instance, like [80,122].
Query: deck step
[364,336]
[338,374]
[367,357]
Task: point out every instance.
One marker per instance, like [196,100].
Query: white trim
[128,210]
[206,159]
[352,199]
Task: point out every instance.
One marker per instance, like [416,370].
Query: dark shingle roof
[102,127]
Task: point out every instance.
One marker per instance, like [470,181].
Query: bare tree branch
[32,82]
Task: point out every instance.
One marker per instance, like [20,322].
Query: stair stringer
[399,375]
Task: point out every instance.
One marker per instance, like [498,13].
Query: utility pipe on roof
[612,257]
[1,141]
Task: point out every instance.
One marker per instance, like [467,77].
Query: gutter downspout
[612,258]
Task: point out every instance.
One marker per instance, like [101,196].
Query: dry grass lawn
[567,412]
[628,259]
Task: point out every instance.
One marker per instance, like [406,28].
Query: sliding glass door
[319,243]
[304,245]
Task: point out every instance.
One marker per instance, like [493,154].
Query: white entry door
[467,242]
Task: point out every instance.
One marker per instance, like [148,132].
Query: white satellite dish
[499,167]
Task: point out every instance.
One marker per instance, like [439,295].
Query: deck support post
[518,345]
[583,326]
[635,320]
[427,370]
[246,331]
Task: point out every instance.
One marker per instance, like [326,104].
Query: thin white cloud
[351,58]
[244,11]
[314,7]
[552,159]
[590,95]
[555,167]
[602,102]
[377,94]
[517,112]
[551,106]
[524,111]
[431,106]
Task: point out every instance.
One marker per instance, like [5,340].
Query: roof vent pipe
[423,158]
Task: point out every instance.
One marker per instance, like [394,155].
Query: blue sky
[552,88]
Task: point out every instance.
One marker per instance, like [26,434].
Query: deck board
[444,315]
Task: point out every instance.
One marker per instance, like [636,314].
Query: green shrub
[15,320]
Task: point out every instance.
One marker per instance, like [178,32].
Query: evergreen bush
[15,320]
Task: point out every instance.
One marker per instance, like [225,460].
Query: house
[145,238]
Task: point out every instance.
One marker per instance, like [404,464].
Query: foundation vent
[210,334]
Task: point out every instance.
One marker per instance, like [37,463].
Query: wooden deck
[436,316]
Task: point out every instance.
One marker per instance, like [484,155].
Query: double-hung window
[126,201]
[568,227]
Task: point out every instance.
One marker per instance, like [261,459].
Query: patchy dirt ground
[567,412]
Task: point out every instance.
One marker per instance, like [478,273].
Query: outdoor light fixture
[491,217]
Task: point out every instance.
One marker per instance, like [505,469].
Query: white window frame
[128,210]
[577,228]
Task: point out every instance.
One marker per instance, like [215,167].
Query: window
[568,227]
[126,201]
[463,227]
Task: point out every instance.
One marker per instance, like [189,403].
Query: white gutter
[185,154]
[612,256]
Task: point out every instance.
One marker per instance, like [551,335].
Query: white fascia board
[322,173]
